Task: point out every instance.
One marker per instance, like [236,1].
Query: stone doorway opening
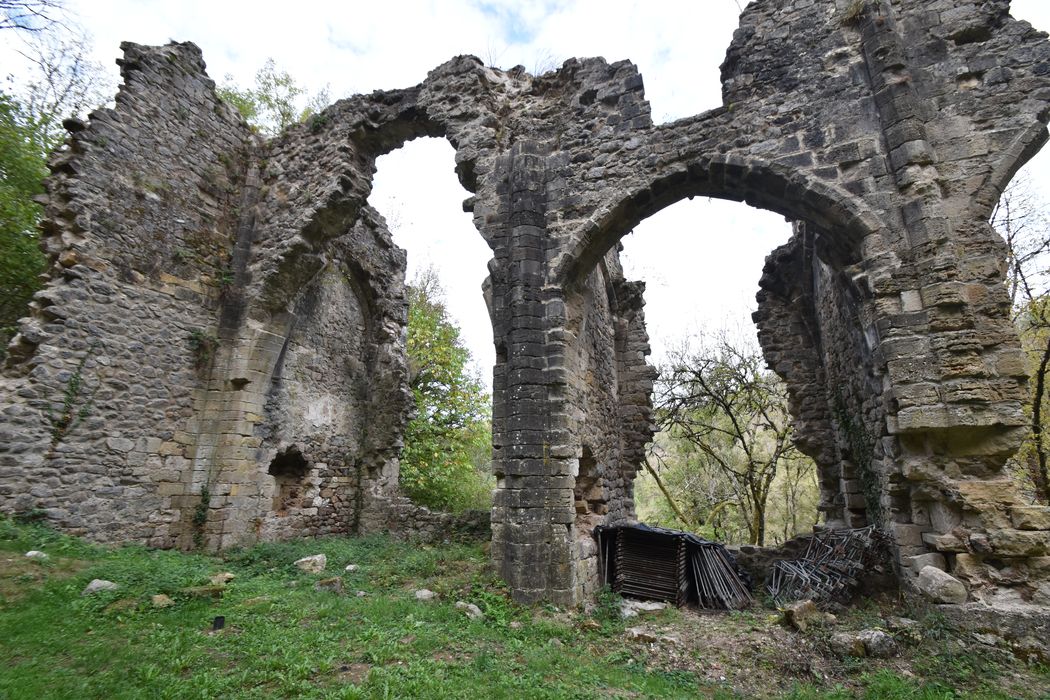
[445,464]
[288,468]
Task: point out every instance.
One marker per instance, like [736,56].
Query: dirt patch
[20,576]
[753,654]
[354,673]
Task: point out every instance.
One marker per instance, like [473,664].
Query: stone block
[980,495]
[1030,517]
[907,535]
[921,561]
[941,587]
[1019,543]
[969,567]
[943,543]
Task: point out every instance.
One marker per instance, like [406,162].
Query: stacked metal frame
[831,568]
[671,566]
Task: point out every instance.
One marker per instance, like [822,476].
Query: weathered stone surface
[1030,517]
[425,594]
[161,601]
[236,310]
[1019,543]
[36,554]
[941,587]
[846,644]
[878,644]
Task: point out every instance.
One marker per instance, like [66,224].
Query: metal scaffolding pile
[670,565]
[831,566]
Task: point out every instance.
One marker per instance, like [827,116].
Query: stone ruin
[218,355]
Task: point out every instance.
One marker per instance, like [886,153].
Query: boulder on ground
[425,594]
[334,585]
[314,564]
[802,614]
[161,601]
[878,644]
[844,644]
[472,611]
[941,587]
[99,584]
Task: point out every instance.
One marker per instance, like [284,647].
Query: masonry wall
[216,299]
[611,409]
[101,379]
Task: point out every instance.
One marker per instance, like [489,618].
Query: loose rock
[877,644]
[425,594]
[35,554]
[632,608]
[845,644]
[313,564]
[99,584]
[941,587]
[334,585]
[640,634]
[804,613]
[161,601]
[472,611]
[222,579]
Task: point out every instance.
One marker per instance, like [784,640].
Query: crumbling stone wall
[885,129]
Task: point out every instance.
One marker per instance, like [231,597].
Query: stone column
[532,509]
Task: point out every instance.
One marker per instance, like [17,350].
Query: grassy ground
[283,638]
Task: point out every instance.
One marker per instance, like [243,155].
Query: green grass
[283,639]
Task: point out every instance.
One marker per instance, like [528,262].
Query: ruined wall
[886,129]
[610,409]
[101,379]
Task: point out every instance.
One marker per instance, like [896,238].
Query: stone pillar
[532,510]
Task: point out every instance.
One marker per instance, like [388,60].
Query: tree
[726,417]
[450,432]
[29,15]
[1021,217]
[22,171]
[274,103]
[61,83]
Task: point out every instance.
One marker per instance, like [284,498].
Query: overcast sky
[701,259]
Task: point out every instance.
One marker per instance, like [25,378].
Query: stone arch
[872,127]
[1014,157]
[758,183]
[804,288]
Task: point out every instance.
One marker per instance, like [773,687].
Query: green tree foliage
[60,82]
[22,170]
[724,451]
[445,461]
[276,102]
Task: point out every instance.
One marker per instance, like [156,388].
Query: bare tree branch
[29,15]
